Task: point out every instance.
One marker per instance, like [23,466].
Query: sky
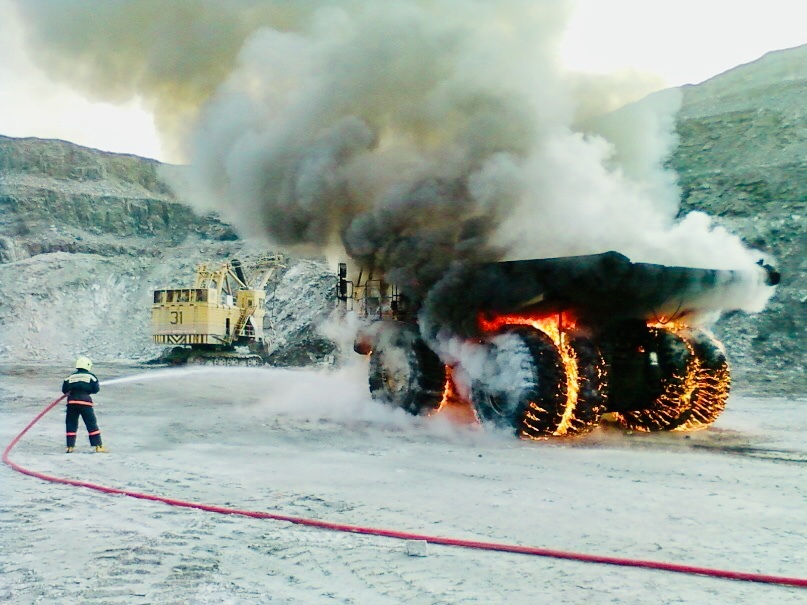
[682,41]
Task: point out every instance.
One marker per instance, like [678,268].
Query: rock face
[742,158]
[85,236]
[56,196]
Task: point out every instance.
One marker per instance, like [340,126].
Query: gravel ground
[311,443]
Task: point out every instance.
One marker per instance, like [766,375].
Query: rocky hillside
[742,157]
[57,196]
[85,236]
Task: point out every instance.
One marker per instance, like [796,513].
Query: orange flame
[453,404]
[709,393]
[556,327]
[551,326]
[702,393]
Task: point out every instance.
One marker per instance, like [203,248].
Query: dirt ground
[312,444]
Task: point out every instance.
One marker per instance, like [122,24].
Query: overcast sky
[683,41]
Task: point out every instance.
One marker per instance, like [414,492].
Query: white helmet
[84,363]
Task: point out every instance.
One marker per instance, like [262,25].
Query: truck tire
[591,386]
[404,372]
[523,384]
[669,409]
[712,383]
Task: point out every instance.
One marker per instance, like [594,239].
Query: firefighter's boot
[69,449]
[101,449]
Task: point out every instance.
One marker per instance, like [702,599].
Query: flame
[669,324]
[691,399]
[702,393]
[710,393]
[453,404]
[450,394]
[556,327]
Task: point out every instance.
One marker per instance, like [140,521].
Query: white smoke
[285,396]
[411,133]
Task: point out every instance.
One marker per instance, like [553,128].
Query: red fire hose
[401,535]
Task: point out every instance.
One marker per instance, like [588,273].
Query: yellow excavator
[218,321]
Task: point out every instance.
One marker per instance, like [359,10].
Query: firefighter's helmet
[84,363]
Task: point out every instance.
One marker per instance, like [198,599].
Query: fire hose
[401,535]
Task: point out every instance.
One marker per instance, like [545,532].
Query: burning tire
[673,382]
[404,372]
[712,382]
[522,385]
[590,379]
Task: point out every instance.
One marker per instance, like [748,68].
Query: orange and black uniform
[79,387]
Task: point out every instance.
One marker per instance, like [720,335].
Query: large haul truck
[551,346]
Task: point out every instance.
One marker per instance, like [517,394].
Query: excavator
[218,321]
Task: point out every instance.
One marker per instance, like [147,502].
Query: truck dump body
[599,288]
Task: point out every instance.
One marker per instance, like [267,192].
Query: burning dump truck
[550,346]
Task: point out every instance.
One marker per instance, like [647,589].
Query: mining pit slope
[86,235]
[742,158]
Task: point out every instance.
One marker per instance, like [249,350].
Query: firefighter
[79,387]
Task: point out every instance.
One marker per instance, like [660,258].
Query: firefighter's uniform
[79,388]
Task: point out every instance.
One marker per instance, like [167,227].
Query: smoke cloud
[412,134]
